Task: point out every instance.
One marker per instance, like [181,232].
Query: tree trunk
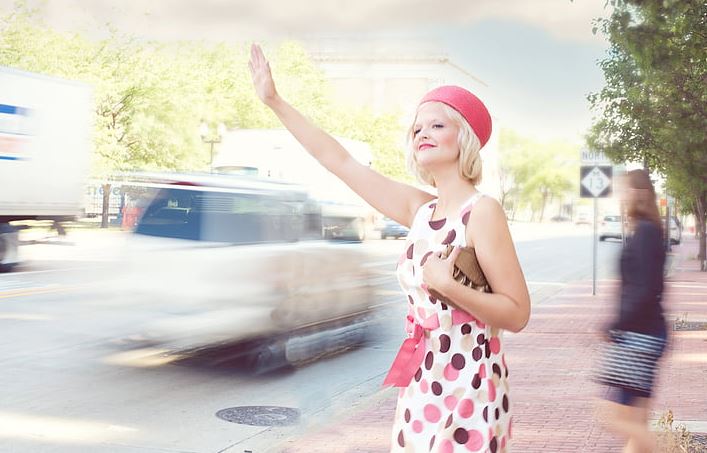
[106,205]
[542,207]
[701,221]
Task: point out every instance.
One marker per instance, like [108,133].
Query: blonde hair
[469,148]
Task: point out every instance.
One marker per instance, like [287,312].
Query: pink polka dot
[450,402]
[482,371]
[475,442]
[432,413]
[451,373]
[424,386]
[492,391]
[466,408]
[510,428]
[495,345]
[417,426]
[421,313]
[503,442]
[446,447]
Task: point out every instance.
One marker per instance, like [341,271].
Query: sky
[537,57]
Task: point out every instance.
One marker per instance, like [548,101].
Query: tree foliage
[533,173]
[652,109]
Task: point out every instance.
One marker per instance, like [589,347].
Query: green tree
[150,98]
[652,109]
[534,173]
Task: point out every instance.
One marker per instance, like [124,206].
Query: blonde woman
[451,370]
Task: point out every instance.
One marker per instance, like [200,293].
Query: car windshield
[221,217]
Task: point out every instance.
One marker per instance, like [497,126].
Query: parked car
[610,227]
[583,218]
[392,229]
[222,260]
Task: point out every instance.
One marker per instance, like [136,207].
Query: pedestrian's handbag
[467,271]
[629,360]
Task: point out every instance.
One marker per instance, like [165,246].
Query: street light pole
[211,139]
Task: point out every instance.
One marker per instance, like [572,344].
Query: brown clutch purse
[467,271]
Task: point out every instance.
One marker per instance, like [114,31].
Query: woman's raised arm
[393,199]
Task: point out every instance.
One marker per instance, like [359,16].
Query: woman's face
[435,137]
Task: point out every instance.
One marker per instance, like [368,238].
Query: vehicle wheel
[601,238]
[5,246]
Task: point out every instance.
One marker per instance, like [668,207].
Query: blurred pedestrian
[451,370]
[637,336]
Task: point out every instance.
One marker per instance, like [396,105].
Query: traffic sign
[594,157]
[595,181]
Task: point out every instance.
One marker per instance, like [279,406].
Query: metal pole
[594,255]
[211,162]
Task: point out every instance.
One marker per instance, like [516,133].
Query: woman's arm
[508,306]
[395,200]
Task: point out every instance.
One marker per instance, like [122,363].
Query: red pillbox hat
[468,105]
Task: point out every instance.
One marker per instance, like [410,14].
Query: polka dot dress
[458,399]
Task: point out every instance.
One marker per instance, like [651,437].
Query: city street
[69,383]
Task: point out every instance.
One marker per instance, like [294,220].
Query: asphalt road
[71,382]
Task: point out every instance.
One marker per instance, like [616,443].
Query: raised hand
[262,77]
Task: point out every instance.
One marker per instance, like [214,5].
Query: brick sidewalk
[550,367]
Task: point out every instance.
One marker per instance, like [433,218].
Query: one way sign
[595,181]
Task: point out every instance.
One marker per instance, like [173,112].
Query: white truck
[45,130]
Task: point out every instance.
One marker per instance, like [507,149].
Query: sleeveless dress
[454,394]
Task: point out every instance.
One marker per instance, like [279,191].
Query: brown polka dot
[505,403]
[493,445]
[449,421]
[488,350]
[401,439]
[444,307]
[450,237]
[410,251]
[466,329]
[429,359]
[445,342]
[432,442]
[497,414]
[481,339]
[407,415]
[465,217]
[418,375]
[477,354]
[436,388]
[461,435]
[476,382]
[486,414]
[496,369]
[437,224]
[410,300]
[433,299]
[424,258]
[458,361]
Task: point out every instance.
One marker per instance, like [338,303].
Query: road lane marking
[39,290]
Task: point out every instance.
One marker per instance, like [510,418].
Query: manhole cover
[260,415]
[689,326]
